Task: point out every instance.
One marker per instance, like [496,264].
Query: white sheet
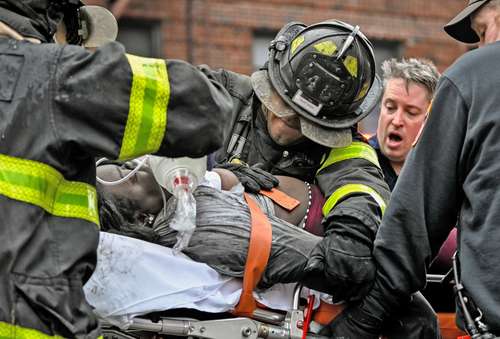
[134,277]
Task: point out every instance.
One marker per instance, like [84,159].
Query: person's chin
[287,139]
[395,156]
[282,141]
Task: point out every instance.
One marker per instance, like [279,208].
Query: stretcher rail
[234,328]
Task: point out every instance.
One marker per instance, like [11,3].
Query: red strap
[259,249]
[309,311]
[281,198]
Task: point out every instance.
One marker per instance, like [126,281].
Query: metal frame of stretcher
[264,324]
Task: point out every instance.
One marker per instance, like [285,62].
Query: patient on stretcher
[223,223]
[219,245]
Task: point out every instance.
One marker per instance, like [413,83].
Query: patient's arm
[228,179]
[296,189]
[293,187]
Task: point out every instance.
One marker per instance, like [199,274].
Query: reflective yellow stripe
[41,185]
[356,149]
[17,332]
[147,116]
[8,331]
[349,189]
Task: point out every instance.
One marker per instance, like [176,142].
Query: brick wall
[220,32]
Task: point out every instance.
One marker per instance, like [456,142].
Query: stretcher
[134,279]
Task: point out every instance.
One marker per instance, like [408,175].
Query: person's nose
[398,119]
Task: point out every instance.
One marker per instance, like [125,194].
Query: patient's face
[141,189]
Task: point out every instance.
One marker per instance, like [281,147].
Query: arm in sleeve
[122,106]
[356,198]
[423,207]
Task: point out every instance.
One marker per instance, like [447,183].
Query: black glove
[353,323]
[252,178]
[346,265]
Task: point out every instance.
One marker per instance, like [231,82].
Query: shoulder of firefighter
[356,198]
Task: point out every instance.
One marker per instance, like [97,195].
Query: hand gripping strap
[259,249]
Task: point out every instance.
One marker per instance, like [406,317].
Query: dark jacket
[450,177]
[390,175]
[60,108]
[349,177]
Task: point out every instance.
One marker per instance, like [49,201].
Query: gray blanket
[222,236]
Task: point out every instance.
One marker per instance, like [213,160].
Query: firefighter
[62,106]
[297,118]
[449,178]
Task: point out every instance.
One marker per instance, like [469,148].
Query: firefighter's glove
[253,178]
[353,323]
[344,263]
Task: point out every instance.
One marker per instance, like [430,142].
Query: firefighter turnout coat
[60,108]
[349,177]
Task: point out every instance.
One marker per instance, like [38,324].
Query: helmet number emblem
[317,87]
[312,82]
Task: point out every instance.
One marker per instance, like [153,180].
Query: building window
[385,49]
[140,37]
[260,48]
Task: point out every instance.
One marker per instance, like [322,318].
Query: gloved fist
[353,323]
[252,178]
[346,266]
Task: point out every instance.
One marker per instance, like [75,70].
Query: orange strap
[281,198]
[259,249]
[448,327]
[325,313]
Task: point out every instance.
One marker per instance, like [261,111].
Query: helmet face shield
[323,72]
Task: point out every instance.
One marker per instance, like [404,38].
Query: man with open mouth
[408,89]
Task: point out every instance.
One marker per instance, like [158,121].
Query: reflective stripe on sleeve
[356,149]
[147,116]
[9,331]
[349,189]
[18,332]
[39,184]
